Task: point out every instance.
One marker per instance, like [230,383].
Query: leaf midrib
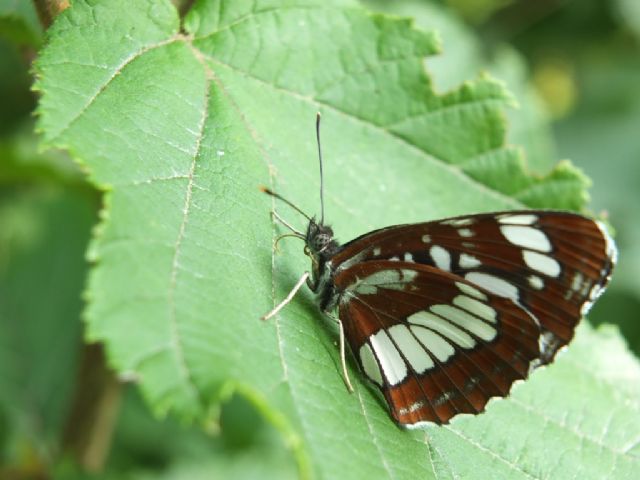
[490,452]
[175,266]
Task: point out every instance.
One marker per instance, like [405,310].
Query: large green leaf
[181,126]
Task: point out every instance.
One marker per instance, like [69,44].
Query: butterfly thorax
[321,246]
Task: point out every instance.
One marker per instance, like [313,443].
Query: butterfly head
[320,242]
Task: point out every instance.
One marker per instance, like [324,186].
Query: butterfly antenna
[318,117]
[280,197]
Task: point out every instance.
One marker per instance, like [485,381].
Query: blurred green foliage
[584,63]
[593,49]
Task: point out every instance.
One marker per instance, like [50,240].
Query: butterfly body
[442,316]
[321,246]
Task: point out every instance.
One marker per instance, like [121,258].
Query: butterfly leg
[286,224]
[288,298]
[343,359]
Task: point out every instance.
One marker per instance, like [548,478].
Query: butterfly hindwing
[435,344]
[554,264]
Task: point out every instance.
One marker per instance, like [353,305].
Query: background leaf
[19,22]
[611,156]
[39,324]
[180,129]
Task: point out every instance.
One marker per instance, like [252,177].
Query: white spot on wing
[437,346]
[370,364]
[586,285]
[441,257]
[443,327]
[465,232]
[393,366]
[541,263]
[536,282]
[408,257]
[426,238]
[596,291]
[494,284]
[410,348]
[469,290]
[586,306]
[480,309]
[527,237]
[458,222]
[376,251]
[469,261]
[390,279]
[412,408]
[358,257]
[465,320]
[609,245]
[576,285]
[519,219]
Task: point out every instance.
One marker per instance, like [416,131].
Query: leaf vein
[454,107]
[631,400]
[175,265]
[101,88]
[373,438]
[491,453]
[431,445]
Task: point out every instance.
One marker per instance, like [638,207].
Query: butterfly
[441,316]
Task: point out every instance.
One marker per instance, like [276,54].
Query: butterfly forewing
[435,344]
[553,264]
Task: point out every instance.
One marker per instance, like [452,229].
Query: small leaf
[181,128]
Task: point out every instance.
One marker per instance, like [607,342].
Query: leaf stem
[94,411]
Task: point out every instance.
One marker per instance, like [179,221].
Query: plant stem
[94,411]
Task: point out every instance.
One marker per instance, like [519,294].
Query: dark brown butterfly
[441,316]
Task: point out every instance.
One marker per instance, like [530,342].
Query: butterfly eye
[322,241]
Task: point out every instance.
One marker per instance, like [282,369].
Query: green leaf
[629,13]
[16,99]
[19,22]
[181,128]
[147,448]
[578,418]
[43,235]
[465,57]
[22,163]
